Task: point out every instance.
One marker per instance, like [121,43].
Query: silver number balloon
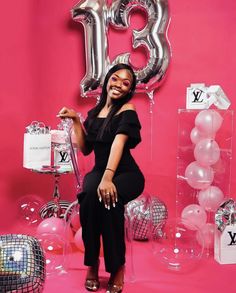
[152,36]
[92,14]
[96,16]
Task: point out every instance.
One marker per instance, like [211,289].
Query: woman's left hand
[107,193]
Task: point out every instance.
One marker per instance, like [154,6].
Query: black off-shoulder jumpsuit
[95,219]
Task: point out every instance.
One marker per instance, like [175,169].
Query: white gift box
[199,96]
[196,96]
[225,245]
[218,97]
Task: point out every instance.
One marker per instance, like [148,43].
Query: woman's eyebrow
[121,77]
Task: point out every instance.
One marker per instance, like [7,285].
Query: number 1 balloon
[93,15]
[96,17]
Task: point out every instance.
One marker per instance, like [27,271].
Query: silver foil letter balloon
[92,14]
[152,37]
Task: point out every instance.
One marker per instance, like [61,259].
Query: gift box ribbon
[226,214]
[37,127]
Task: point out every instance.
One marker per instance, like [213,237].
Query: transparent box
[204,154]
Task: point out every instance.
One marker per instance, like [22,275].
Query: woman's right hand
[67,113]
[78,129]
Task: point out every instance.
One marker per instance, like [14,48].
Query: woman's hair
[117,104]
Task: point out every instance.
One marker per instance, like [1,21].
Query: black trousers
[98,221]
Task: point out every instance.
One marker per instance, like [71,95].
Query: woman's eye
[114,78]
[126,83]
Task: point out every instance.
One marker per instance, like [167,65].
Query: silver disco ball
[146,216]
[22,264]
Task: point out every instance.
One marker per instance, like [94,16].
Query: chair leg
[129,247]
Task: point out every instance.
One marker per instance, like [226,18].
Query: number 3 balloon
[96,16]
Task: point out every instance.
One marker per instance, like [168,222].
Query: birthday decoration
[199,96]
[225,240]
[28,210]
[147,216]
[37,145]
[22,264]
[204,157]
[51,149]
[226,214]
[61,146]
[199,174]
[178,249]
[96,18]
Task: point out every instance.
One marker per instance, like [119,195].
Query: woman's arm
[106,189]
[77,127]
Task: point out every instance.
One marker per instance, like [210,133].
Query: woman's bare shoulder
[127,106]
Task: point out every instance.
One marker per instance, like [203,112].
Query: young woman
[111,129]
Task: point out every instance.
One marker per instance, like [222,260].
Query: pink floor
[206,276]
[149,275]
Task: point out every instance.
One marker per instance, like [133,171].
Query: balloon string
[151,101]
[151,136]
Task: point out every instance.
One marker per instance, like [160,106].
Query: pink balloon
[80,244]
[198,176]
[205,237]
[196,135]
[75,221]
[210,198]
[207,152]
[208,121]
[78,240]
[55,225]
[195,215]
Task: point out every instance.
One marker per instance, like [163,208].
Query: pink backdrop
[42,64]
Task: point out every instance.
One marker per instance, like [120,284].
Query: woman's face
[119,84]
